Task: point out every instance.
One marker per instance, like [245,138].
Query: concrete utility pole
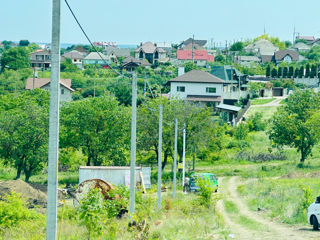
[160,156]
[184,155]
[175,157]
[133,145]
[54,124]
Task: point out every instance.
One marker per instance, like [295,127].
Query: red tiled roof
[197,55]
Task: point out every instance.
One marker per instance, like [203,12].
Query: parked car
[314,214]
[210,176]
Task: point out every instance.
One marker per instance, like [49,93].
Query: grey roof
[149,47]
[82,50]
[197,76]
[119,52]
[266,58]
[74,54]
[301,46]
[95,56]
[199,42]
[307,38]
[248,58]
[141,62]
[229,107]
[279,55]
[224,73]
[263,46]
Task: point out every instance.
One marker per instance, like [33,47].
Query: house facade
[44,83]
[76,58]
[247,60]
[41,59]
[94,58]
[114,53]
[150,52]
[130,63]
[197,86]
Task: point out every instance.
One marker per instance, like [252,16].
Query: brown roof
[201,98]
[81,49]
[280,55]
[197,76]
[40,82]
[149,47]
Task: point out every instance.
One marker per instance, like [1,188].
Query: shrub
[241,131]
[91,212]
[13,210]
[205,191]
[255,122]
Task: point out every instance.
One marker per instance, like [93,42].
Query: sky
[135,21]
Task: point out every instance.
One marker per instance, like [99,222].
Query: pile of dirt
[34,196]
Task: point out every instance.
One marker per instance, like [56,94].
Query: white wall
[194,89]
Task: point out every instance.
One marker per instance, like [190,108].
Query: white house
[44,83]
[197,86]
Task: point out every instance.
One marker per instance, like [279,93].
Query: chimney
[180,71]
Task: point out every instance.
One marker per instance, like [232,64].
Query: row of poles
[53,151]
[133,151]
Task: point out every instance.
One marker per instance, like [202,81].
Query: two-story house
[198,57]
[197,86]
[41,59]
[44,83]
[95,58]
[151,52]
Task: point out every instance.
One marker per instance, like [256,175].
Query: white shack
[115,175]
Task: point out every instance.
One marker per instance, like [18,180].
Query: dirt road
[249,225]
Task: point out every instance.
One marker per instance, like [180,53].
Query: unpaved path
[268,230]
[275,102]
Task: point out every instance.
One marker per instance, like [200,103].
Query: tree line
[308,71]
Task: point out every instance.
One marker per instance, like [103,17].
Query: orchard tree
[99,127]
[291,125]
[24,43]
[15,58]
[238,46]
[24,131]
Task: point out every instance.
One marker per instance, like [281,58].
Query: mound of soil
[34,196]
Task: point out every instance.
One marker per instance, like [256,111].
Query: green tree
[285,72]
[290,124]
[189,66]
[220,58]
[98,127]
[301,72]
[307,71]
[291,71]
[238,46]
[6,44]
[274,73]
[68,66]
[15,58]
[24,131]
[268,71]
[296,73]
[280,72]
[24,43]
[313,72]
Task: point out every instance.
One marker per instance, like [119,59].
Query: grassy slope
[261,101]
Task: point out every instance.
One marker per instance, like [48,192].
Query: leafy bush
[205,191]
[13,210]
[241,131]
[91,212]
[118,202]
[255,122]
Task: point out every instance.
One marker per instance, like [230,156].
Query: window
[181,89]
[62,91]
[211,90]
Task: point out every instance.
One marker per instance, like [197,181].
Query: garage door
[277,92]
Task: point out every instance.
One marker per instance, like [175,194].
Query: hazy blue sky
[132,22]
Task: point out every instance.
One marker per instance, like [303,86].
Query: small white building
[197,86]
[44,83]
[75,56]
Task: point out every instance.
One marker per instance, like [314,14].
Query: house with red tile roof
[199,57]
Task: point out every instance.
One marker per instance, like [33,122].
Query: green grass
[280,198]
[283,101]
[267,111]
[261,101]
